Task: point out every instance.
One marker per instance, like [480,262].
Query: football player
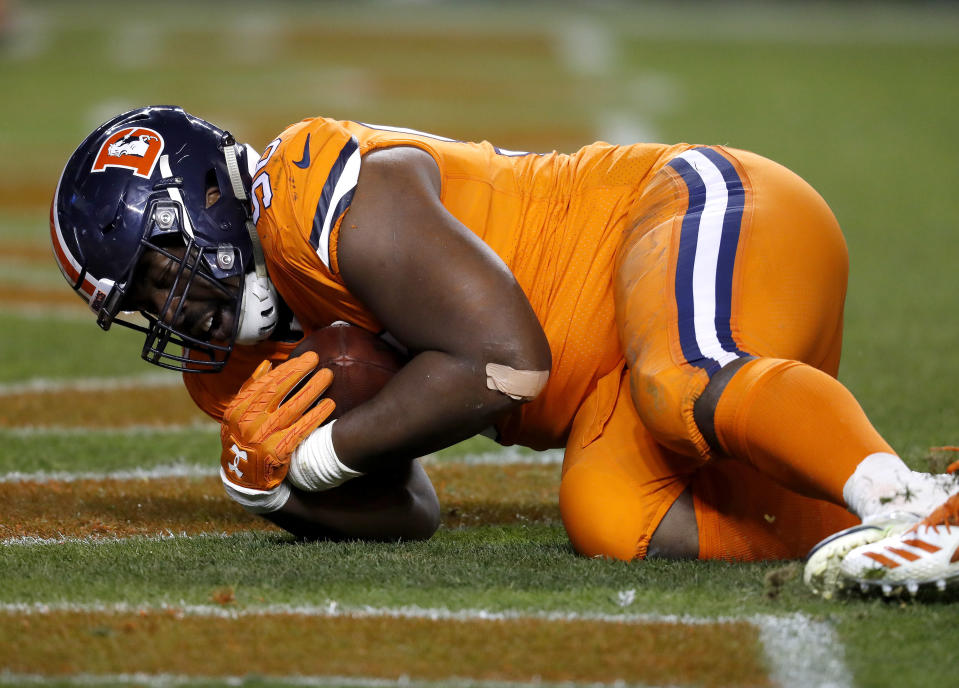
[670,314]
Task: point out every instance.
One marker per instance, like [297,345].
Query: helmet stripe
[175,194]
[69,266]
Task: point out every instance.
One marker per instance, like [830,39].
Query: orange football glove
[259,432]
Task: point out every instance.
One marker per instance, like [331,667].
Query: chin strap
[258,309]
[259,312]
[236,181]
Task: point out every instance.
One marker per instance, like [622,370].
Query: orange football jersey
[556,220]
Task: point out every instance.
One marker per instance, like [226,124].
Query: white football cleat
[822,571]
[924,555]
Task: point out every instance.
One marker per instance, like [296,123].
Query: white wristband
[257,501]
[314,465]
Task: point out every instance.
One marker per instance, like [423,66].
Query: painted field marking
[185,470]
[45,507]
[108,403]
[123,430]
[30,278]
[627,103]
[174,470]
[168,680]
[32,310]
[31,541]
[803,652]
[91,384]
[505,456]
[799,650]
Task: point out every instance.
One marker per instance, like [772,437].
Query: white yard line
[501,457]
[93,384]
[168,680]
[30,541]
[133,430]
[156,473]
[628,103]
[333,609]
[46,312]
[182,470]
[800,651]
[587,48]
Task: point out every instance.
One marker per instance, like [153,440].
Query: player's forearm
[436,400]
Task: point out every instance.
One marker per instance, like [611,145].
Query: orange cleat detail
[882,559]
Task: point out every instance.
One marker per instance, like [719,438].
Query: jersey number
[261,181]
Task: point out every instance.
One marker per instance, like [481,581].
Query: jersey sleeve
[302,187]
[311,169]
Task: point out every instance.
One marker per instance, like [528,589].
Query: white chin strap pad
[258,309]
[523,385]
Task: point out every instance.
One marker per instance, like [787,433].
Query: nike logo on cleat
[304,162]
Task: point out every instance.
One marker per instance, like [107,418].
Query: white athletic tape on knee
[314,465]
[516,384]
[257,501]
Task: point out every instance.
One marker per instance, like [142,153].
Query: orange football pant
[729,255]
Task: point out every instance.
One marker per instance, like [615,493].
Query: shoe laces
[947,514]
[954,466]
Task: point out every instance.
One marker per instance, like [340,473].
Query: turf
[858,98]
[78,450]
[526,568]
[40,450]
[514,649]
[33,347]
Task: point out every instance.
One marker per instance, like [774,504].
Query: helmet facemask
[136,191]
[190,264]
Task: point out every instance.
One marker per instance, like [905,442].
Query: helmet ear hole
[212,186]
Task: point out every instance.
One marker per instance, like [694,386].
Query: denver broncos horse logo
[134,148]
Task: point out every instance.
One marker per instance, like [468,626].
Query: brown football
[362,363]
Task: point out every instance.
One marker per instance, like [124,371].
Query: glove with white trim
[261,428]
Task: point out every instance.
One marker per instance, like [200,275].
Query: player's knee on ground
[618,483]
[601,513]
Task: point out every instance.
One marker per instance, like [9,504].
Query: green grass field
[858,98]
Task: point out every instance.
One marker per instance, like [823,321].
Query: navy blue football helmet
[139,182]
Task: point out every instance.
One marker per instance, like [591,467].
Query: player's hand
[259,432]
